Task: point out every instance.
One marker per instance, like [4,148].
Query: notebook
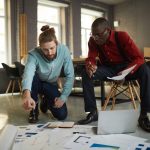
[58,124]
[117,121]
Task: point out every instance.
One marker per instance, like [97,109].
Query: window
[3,35]
[49,14]
[87,18]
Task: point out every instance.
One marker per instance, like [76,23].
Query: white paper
[103,142]
[124,73]
[26,132]
[71,138]
[81,142]
[141,146]
[50,138]
[7,137]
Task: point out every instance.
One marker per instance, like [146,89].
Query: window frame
[59,37]
[7,41]
[84,53]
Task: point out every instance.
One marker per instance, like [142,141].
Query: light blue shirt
[49,70]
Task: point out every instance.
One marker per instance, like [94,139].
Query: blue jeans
[50,92]
[142,75]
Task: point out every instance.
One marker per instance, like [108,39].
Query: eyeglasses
[98,35]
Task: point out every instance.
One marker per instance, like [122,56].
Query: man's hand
[90,69]
[58,103]
[28,102]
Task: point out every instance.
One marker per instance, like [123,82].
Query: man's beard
[50,57]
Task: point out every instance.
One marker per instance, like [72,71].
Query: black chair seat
[13,75]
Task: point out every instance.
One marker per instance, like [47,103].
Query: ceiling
[111,2]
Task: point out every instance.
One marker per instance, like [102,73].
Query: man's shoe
[33,116]
[92,116]
[44,105]
[144,123]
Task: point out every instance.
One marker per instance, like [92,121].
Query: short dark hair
[100,21]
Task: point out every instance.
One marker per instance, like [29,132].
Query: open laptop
[117,121]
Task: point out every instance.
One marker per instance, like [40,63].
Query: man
[112,60]
[43,68]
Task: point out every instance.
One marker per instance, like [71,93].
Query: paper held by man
[123,75]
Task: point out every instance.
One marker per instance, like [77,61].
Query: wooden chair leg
[135,90]
[137,83]
[114,99]
[132,97]
[10,82]
[109,96]
[19,84]
[13,87]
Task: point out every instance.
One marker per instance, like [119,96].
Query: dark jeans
[142,75]
[50,92]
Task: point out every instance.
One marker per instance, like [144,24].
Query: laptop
[117,121]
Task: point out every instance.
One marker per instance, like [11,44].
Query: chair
[13,75]
[20,67]
[128,89]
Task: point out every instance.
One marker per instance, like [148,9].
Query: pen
[79,133]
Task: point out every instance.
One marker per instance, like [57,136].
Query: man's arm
[28,102]
[91,66]
[131,51]
[69,76]
[29,71]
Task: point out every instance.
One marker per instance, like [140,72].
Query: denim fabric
[50,92]
[142,75]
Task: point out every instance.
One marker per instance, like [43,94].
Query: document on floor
[103,142]
[49,138]
[41,137]
[124,73]
[140,146]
